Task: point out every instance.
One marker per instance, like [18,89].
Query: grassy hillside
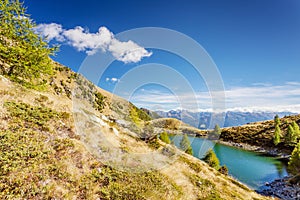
[43,156]
[61,137]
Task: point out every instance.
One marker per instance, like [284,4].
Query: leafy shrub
[25,115]
[154,144]
[223,170]
[99,101]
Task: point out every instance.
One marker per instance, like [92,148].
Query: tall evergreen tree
[296,130]
[185,145]
[294,163]
[290,135]
[277,135]
[164,137]
[211,159]
[217,129]
[25,53]
[215,134]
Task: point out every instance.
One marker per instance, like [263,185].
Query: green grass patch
[27,116]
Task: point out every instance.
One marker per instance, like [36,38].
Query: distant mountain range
[202,120]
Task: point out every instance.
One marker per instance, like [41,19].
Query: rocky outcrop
[282,189]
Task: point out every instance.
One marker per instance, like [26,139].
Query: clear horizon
[254,44]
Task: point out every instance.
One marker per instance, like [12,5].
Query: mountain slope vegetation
[62,137]
[262,134]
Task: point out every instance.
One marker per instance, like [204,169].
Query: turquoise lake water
[248,167]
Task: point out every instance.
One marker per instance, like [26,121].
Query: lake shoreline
[264,151]
[258,149]
[280,188]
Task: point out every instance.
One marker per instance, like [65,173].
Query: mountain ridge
[202,120]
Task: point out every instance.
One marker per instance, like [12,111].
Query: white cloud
[272,98]
[50,31]
[293,83]
[90,43]
[112,80]
[127,51]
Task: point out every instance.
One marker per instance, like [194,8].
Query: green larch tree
[185,145]
[211,159]
[277,135]
[25,53]
[290,135]
[164,137]
[276,120]
[296,130]
[294,163]
[217,129]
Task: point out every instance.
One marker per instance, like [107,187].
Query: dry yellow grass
[140,171]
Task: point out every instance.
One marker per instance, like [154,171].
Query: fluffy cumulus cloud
[103,40]
[127,51]
[50,31]
[88,42]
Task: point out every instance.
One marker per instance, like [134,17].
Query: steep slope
[87,145]
[61,137]
[261,134]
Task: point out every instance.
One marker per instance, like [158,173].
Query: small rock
[199,183]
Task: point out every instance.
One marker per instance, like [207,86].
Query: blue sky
[255,45]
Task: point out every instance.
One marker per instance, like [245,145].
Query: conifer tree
[276,138]
[185,145]
[164,137]
[294,163]
[215,134]
[25,53]
[211,159]
[290,135]
[296,130]
[217,129]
